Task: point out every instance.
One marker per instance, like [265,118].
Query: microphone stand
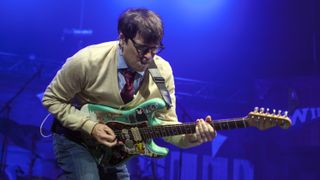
[6,111]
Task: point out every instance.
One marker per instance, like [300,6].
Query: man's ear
[121,37]
[122,41]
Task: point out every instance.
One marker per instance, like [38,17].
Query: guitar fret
[239,124]
[163,132]
[187,129]
[244,122]
[174,129]
[220,126]
[154,132]
[192,129]
[179,130]
[232,125]
[158,132]
[183,129]
[171,132]
[224,125]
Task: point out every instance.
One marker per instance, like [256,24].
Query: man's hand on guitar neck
[104,135]
[204,132]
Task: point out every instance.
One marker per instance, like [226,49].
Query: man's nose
[148,55]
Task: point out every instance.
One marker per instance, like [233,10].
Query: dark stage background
[227,56]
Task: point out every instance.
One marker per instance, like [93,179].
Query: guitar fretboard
[189,128]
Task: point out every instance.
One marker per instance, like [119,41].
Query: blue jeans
[77,163]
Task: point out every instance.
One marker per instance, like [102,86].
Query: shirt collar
[122,63]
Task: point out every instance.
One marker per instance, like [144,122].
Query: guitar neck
[189,128]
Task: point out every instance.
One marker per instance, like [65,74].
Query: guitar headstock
[263,119]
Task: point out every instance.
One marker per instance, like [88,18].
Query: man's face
[137,54]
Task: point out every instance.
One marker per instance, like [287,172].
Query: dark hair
[143,21]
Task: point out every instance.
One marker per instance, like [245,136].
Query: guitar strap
[161,83]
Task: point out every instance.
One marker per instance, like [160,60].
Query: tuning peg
[285,114]
[279,112]
[274,112]
[261,110]
[267,112]
[256,109]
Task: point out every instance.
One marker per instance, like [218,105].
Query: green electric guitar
[137,127]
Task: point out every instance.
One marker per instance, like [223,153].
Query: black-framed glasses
[143,49]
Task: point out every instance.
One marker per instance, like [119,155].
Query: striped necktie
[127,91]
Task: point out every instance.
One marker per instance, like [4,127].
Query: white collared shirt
[123,65]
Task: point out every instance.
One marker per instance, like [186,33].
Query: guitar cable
[41,127]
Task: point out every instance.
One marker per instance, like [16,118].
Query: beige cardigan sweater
[90,76]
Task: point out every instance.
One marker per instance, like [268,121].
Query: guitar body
[126,125]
